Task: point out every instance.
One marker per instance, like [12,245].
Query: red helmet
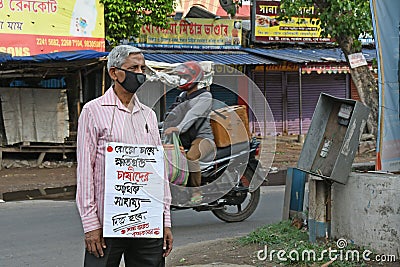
[190,74]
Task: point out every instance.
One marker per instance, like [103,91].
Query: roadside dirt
[229,251]
[216,253]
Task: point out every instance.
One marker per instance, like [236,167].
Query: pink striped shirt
[102,120]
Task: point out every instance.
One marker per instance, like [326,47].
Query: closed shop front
[222,95]
[313,84]
[282,91]
[273,93]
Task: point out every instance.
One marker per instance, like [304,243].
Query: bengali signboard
[268,29]
[30,27]
[194,34]
[134,191]
[357,60]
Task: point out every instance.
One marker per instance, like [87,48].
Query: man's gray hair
[118,55]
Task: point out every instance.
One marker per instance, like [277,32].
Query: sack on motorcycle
[230,125]
[175,162]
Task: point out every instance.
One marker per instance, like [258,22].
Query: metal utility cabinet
[333,138]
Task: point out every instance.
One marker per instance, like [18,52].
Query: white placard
[357,60]
[134,191]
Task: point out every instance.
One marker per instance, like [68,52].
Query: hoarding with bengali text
[30,27]
[194,33]
[268,29]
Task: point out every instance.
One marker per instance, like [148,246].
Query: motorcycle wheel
[240,212]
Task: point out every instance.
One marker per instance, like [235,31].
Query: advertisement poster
[134,191]
[31,27]
[269,29]
[386,22]
[194,34]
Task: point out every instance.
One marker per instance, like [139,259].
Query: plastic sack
[176,166]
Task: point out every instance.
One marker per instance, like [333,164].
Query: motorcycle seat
[232,149]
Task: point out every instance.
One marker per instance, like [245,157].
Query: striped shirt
[102,120]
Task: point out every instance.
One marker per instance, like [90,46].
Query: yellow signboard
[269,29]
[194,33]
[30,27]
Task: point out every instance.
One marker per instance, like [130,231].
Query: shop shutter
[313,84]
[171,96]
[273,94]
[292,115]
[223,95]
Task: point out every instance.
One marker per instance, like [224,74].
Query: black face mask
[132,81]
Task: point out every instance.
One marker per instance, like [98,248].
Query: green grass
[283,236]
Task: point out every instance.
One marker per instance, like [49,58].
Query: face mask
[183,81]
[132,81]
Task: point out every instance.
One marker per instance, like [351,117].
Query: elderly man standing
[103,120]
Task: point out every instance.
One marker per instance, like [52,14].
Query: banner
[30,27]
[269,29]
[134,191]
[194,34]
[386,22]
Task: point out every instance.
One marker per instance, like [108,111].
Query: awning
[301,56]
[167,56]
[55,57]
[218,57]
[51,64]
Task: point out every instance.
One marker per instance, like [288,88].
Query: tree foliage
[124,18]
[344,21]
[337,18]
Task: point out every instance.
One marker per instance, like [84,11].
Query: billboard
[30,27]
[268,29]
[386,22]
[194,33]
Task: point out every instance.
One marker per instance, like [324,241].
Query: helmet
[190,74]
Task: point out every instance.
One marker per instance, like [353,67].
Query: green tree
[124,18]
[344,21]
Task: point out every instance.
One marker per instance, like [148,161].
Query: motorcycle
[230,183]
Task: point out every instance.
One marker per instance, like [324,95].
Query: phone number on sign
[59,42]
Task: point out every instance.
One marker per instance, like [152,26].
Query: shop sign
[193,33]
[298,30]
[357,60]
[30,27]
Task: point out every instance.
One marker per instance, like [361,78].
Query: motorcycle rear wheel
[238,213]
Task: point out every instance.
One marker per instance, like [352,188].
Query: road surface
[49,233]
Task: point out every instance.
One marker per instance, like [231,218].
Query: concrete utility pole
[319,216]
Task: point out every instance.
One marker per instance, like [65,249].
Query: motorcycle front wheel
[240,212]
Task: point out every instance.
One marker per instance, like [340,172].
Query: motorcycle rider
[194,128]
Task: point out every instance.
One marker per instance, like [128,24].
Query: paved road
[48,233]
[191,226]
